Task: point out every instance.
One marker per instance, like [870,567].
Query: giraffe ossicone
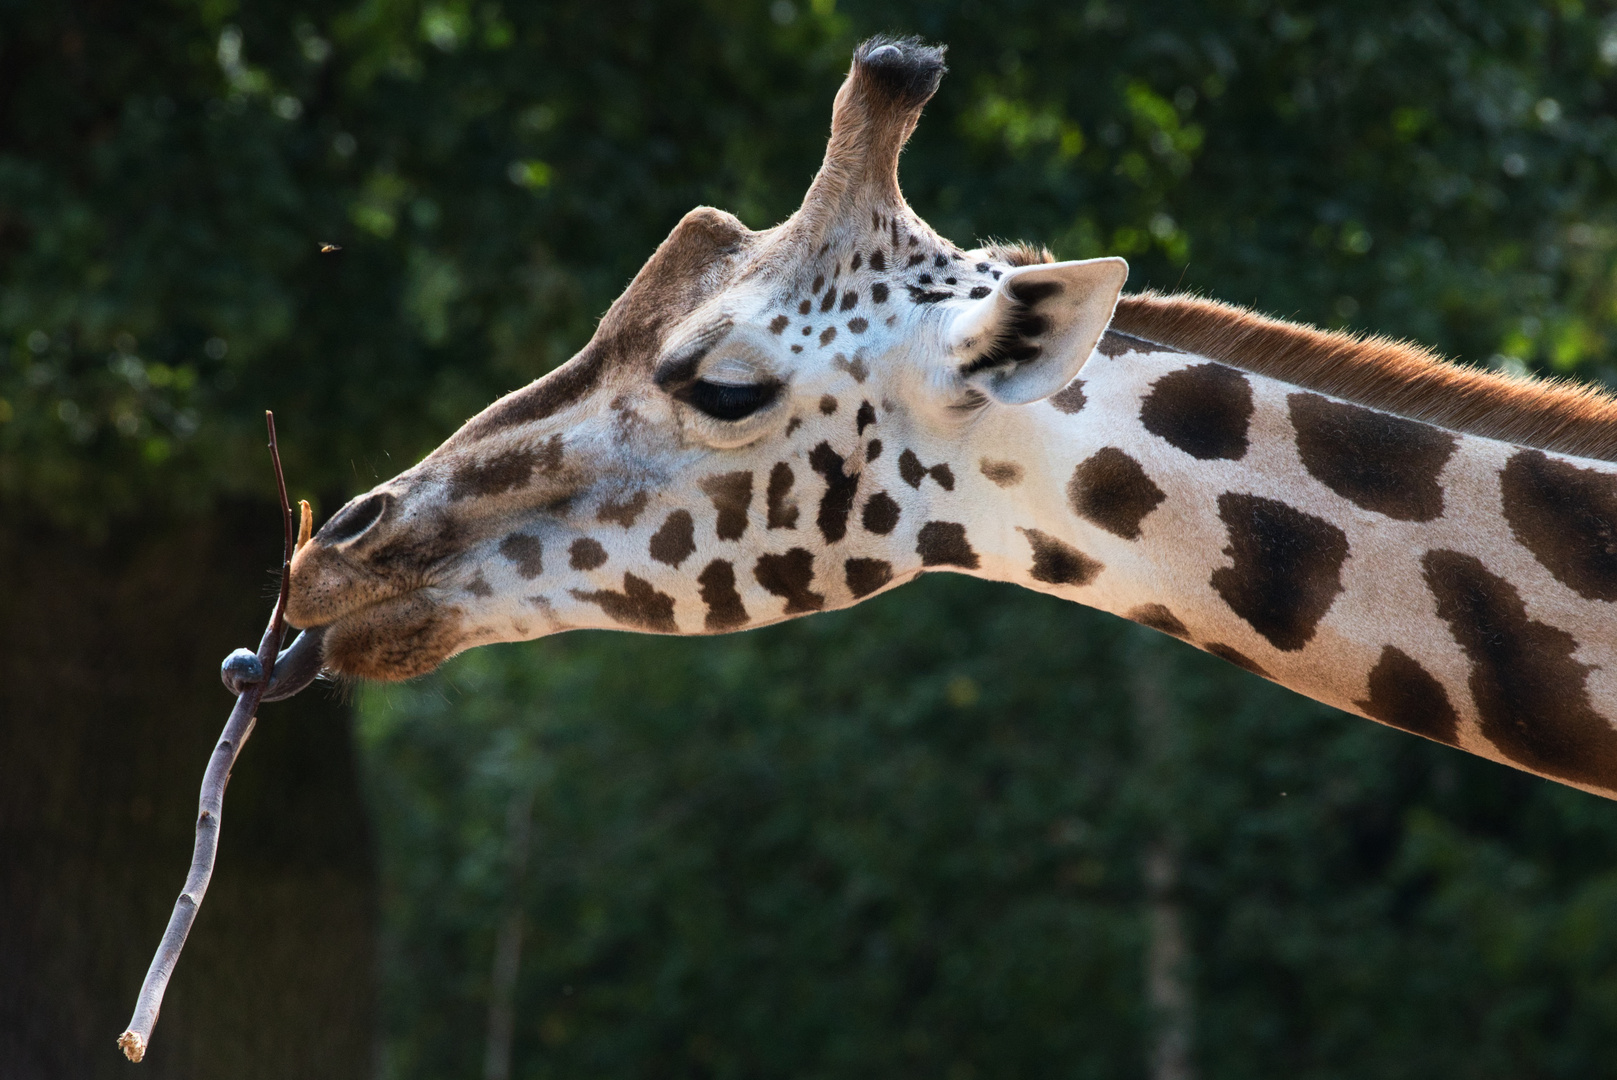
[770,424]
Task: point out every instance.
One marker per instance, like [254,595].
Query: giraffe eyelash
[728,402]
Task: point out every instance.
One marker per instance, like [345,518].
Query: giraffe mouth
[298,665]
[371,625]
[329,587]
[398,637]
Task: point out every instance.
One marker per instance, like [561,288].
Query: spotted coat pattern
[773,424]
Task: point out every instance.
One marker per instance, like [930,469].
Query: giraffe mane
[1394,376]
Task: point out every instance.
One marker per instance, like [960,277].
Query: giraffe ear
[1028,338]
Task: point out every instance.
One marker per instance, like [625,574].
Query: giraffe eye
[728,401]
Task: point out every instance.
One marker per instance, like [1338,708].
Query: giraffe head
[758,429]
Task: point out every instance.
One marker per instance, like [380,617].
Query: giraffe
[774,423]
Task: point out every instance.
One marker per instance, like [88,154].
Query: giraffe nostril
[353,520]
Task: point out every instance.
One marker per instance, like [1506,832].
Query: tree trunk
[1167,987]
[109,706]
[1167,953]
[508,938]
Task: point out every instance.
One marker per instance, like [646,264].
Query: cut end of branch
[133,1044]
[305,524]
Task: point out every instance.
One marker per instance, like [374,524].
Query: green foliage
[492,180]
[839,847]
[494,174]
[903,839]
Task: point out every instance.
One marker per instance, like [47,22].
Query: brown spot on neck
[1070,399]
[1529,691]
[725,610]
[526,552]
[1111,490]
[789,575]
[625,512]
[912,472]
[944,543]
[855,367]
[840,488]
[1203,410]
[1056,562]
[676,540]
[1002,473]
[865,576]
[1287,567]
[1405,695]
[881,514]
[639,605]
[731,495]
[910,469]
[1158,617]
[1567,517]
[586,554]
[1373,459]
[782,511]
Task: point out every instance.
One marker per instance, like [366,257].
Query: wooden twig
[137,1037]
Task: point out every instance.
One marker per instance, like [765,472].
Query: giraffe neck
[1451,585]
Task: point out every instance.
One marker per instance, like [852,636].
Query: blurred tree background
[959,831]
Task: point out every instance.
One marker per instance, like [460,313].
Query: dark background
[959,831]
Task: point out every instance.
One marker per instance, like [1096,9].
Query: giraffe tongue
[298,665]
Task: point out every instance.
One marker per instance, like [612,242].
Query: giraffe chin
[394,639]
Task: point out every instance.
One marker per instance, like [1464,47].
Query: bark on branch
[137,1037]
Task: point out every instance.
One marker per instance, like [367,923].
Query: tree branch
[137,1037]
